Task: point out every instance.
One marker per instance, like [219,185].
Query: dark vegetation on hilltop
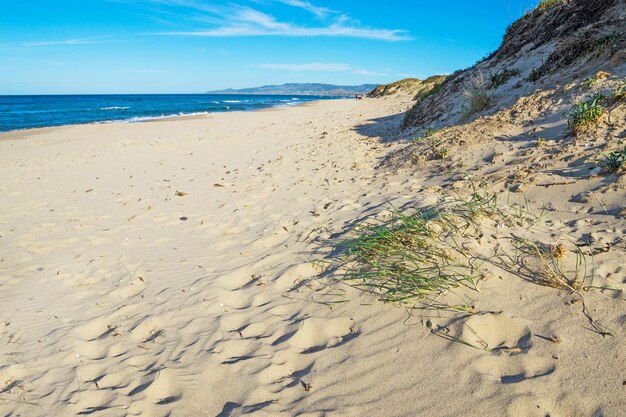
[544,24]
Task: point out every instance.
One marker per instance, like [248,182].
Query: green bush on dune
[586,114]
[546,4]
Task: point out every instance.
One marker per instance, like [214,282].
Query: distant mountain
[309,89]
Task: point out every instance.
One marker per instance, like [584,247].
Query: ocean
[25,112]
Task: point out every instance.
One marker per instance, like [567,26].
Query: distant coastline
[301,89]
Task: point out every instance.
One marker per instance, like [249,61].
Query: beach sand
[173,268]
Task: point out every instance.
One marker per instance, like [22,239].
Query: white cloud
[66,42]
[298,31]
[240,21]
[370,73]
[317,67]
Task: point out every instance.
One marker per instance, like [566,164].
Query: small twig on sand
[557,183]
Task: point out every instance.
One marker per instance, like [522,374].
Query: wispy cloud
[288,30]
[241,21]
[316,10]
[66,42]
[370,73]
[316,67]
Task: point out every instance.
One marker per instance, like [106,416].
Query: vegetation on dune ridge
[545,4]
[433,83]
[411,86]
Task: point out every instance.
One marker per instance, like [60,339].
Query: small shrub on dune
[477,95]
[586,114]
[620,91]
[615,162]
[501,77]
[604,42]
[536,74]
[429,132]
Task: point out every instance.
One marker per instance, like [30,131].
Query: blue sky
[190,46]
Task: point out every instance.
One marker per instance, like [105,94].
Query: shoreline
[144,119]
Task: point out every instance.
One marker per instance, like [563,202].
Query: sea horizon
[20,112]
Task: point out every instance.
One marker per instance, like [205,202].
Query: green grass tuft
[620,91]
[430,132]
[501,77]
[586,114]
[477,95]
[416,256]
[615,161]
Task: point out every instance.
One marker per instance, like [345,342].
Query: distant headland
[306,89]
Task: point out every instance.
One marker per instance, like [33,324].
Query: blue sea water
[24,112]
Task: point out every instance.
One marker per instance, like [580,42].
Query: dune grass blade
[417,256]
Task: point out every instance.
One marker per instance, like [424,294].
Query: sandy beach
[175,268]
[196,222]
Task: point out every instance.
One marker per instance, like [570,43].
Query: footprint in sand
[269,240]
[160,386]
[234,300]
[316,334]
[511,369]
[128,289]
[147,329]
[92,350]
[93,400]
[497,331]
[94,329]
[235,280]
[295,274]
[555,404]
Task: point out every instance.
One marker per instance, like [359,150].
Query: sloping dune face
[549,46]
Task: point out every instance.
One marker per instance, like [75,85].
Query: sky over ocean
[191,46]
